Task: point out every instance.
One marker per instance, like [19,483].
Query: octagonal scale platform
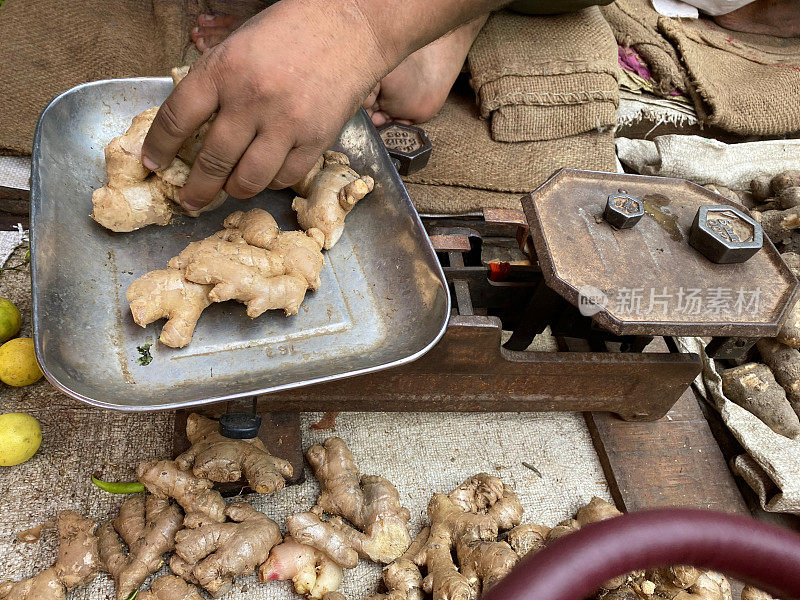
[648,280]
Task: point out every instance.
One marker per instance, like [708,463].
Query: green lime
[10,320]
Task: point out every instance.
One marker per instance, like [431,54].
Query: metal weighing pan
[383,300]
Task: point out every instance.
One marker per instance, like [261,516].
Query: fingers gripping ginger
[134,197]
[147,527]
[77,563]
[327,193]
[218,458]
[216,553]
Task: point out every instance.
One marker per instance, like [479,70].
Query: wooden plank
[671,462]
[9,221]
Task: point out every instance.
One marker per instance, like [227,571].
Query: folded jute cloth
[49,46]
[469,170]
[744,83]
[771,465]
[635,25]
[707,161]
[545,77]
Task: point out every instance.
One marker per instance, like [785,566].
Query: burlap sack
[744,83]
[546,77]
[635,24]
[49,46]
[465,157]
[707,161]
[772,463]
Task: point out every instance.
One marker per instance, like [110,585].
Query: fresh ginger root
[147,526]
[753,387]
[77,563]
[251,261]
[272,275]
[218,458]
[468,520]
[402,578]
[784,362]
[751,593]
[170,587]
[369,502]
[167,294]
[313,573]
[164,479]
[315,551]
[327,193]
[216,553]
[134,197]
[527,538]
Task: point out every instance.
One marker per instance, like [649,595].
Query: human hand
[283,86]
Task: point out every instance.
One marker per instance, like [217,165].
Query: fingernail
[190,206]
[149,164]
[206,18]
[195,30]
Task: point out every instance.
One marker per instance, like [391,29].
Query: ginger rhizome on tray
[134,197]
[327,193]
[251,261]
[473,538]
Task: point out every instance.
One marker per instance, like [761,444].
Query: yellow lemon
[10,320]
[20,438]
[18,364]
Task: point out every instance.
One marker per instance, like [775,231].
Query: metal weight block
[623,211]
[724,234]
[408,146]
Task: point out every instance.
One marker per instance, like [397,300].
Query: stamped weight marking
[402,140]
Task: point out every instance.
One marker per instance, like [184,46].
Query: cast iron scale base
[508,276]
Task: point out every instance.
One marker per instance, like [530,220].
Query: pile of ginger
[250,260]
[475,534]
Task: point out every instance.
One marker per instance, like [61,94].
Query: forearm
[404,26]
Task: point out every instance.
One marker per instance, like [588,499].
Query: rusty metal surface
[469,371]
[652,280]
[383,299]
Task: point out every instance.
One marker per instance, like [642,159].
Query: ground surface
[421,453]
